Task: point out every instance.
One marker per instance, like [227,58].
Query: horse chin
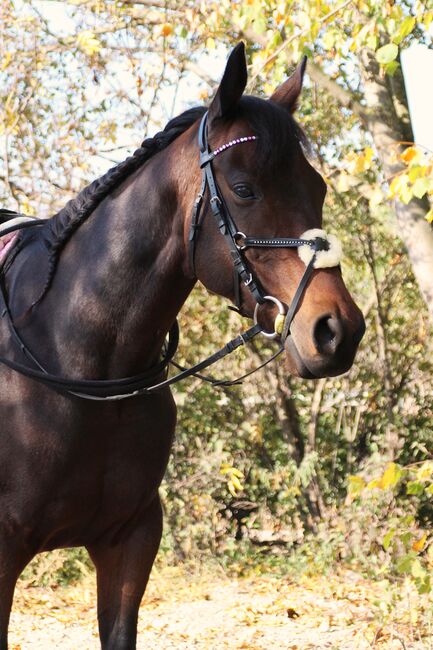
[296,364]
[316,369]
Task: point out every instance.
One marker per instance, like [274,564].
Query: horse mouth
[316,368]
[297,364]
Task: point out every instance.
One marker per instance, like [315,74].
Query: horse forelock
[278,132]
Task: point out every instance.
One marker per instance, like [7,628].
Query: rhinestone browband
[223,147]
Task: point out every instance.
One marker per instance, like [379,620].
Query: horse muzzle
[328,349]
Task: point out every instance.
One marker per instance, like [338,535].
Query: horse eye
[243,191]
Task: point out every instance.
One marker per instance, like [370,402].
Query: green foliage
[278,471]
[406,546]
[59,567]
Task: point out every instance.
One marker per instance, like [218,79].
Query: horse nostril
[328,333]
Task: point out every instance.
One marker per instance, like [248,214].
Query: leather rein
[150,380]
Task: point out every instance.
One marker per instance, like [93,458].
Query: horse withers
[92,293]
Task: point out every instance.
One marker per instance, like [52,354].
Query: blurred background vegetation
[276,473]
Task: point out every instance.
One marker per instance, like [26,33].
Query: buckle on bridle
[214,200]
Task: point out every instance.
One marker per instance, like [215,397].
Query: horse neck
[122,277]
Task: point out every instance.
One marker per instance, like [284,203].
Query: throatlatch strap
[195,223]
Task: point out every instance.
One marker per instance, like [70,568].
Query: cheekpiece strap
[225,223]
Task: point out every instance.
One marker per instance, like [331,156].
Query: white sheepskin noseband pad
[324,259]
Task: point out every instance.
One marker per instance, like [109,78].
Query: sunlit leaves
[242,442]
[88,42]
[356,484]
[416,179]
[411,155]
[358,172]
[6,60]
[404,29]
[403,540]
[233,477]
[166,29]
[389,478]
[387,53]
[419,544]
[399,188]
[361,162]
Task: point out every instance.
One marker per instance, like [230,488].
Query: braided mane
[275,128]
[62,225]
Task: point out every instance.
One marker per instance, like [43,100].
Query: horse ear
[288,93]
[232,84]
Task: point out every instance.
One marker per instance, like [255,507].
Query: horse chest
[96,468]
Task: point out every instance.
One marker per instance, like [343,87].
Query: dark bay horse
[93,292]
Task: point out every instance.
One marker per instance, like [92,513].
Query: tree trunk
[389,124]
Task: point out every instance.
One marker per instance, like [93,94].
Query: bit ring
[281,312]
[239,235]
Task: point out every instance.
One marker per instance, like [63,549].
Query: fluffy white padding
[324,259]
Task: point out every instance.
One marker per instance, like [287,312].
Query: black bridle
[238,242]
[150,381]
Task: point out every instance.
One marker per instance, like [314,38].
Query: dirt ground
[209,611]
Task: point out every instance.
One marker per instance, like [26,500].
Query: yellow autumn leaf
[411,154]
[420,543]
[346,181]
[166,29]
[229,469]
[236,483]
[425,471]
[389,478]
[6,60]
[26,208]
[375,483]
[356,485]
[361,162]
[359,165]
[391,475]
[368,158]
[398,184]
[429,216]
[88,42]
[232,489]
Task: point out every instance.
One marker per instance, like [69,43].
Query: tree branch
[343,96]
[197,70]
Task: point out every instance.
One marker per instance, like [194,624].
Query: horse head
[269,192]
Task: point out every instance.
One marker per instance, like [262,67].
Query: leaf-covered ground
[210,610]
